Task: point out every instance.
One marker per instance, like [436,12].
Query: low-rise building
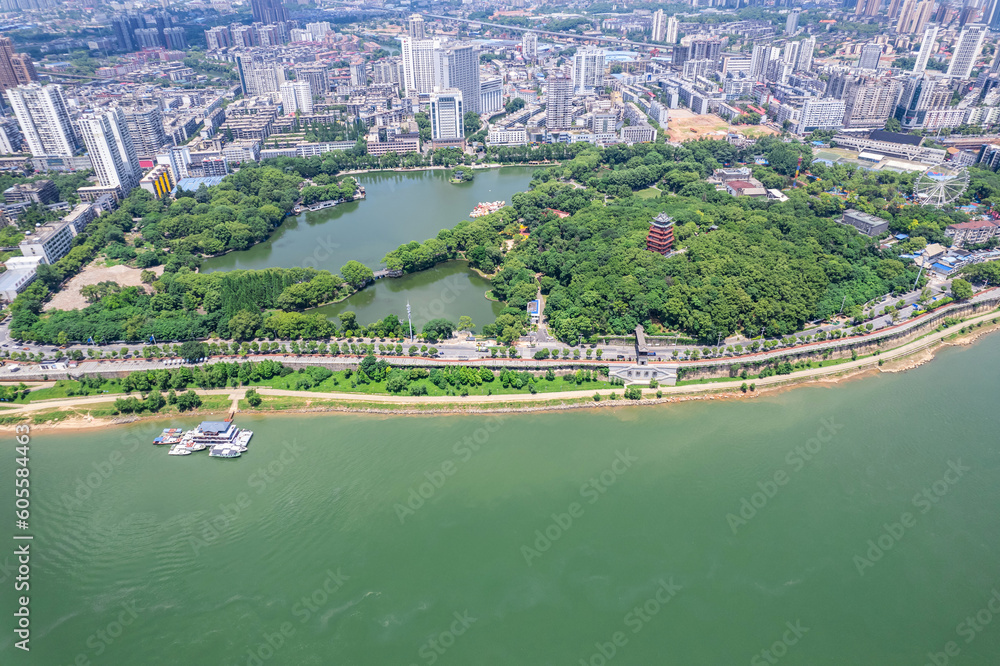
[78,218]
[867,224]
[40,192]
[158,181]
[971,233]
[51,242]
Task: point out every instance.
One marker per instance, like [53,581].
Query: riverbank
[277,401]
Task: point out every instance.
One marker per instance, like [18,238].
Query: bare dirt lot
[686,126]
[69,298]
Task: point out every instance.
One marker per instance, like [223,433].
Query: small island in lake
[462,176]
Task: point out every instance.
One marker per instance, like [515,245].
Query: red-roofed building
[970,233]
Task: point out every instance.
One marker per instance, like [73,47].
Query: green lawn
[67,388]
[648,193]
[339,383]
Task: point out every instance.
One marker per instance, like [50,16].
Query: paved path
[801,375]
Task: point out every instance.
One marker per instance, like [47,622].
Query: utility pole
[917,281]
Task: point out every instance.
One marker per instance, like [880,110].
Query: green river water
[869,535]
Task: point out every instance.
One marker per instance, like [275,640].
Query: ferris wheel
[940,185]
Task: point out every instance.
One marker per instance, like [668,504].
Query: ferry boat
[222,438]
[179,450]
[169,436]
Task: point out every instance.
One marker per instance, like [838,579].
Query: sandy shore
[899,359]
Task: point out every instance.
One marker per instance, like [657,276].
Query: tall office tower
[588,70]
[175,39]
[359,75]
[659,26]
[792,22]
[790,53]
[296,96]
[41,111]
[673,28]
[926,49]
[894,6]
[145,126]
[316,76]
[418,64]
[123,33]
[218,37]
[529,46]
[869,102]
[457,66]
[416,27]
[11,138]
[259,75]
[870,56]
[806,54]
[268,11]
[447,114]
[970,42]
[147,38]
[110,148]
[559,102]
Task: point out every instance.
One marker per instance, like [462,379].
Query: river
[840,524]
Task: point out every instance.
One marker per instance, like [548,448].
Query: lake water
[848,524]
[400,207]
[448,290]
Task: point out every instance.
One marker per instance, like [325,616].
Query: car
[4,344]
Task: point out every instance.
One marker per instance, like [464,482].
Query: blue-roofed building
[192,184]
[902,237]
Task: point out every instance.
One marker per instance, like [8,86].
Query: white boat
[243,438]
[179,450]
[225,452]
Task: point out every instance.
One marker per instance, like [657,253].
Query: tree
[438,329]
[471,123]
[356,274]
[188,400]
[253,398]
[192,351]
[147,277]
[893,125]
[465,323]
[961,290]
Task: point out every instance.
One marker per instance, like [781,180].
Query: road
[797,376]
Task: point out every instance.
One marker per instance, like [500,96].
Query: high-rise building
[175,39]
[123,33]
[491,96]
[268,11]
[457,66]
[869,102]
[8,79]
[359,75]
[145,126]
[218,37]
[927,45]
[994,16]
[924,10]
[806,54]
[11,138]
[316,75]
[147,38]
[970,42]
[317,31]
[24,68]
[110,147]
[44,119]
[659,26]
[259,75]
[529,46]
[588,70]
[790,53]
[870,56]
[296,96]
[418,64]
[820,114]
[762,55]
[792,22]
[673,30]
[868,7]
[447,114]
[559,102]
[416,27]
[386,71]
